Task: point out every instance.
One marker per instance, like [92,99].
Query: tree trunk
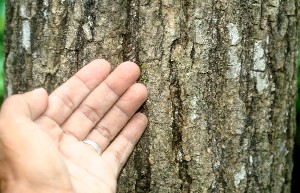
[221,76]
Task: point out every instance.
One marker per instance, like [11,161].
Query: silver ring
[93,144]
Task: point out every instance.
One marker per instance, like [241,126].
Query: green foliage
[2,11]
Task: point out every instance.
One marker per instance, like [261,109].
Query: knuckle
[90,113]
[66,100]
[104,131]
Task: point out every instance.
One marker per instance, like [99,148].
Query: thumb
[30,104]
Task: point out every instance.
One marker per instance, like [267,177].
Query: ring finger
[118,116]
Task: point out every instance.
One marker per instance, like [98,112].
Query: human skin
[41,148]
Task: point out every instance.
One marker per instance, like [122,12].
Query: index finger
[66,98]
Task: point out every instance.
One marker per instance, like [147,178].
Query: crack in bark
[223,158]
[89,11]
[246,87]
[78,46]
[142,165]
[130,38]
[131,48]
[177,123]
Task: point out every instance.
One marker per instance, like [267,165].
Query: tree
[221,77]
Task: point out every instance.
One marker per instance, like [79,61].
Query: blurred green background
[297,139]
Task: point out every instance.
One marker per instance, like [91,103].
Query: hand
[41,148]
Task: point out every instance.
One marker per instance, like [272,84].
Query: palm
[93,104]
[88,171]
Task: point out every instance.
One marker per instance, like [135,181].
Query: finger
[121,148]
[96,105]
[66,98]
[118,116]
[29,105]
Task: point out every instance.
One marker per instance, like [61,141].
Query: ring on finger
[93,144]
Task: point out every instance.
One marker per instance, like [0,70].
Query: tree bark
[221,76]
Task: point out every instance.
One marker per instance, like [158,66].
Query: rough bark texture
[221,76]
